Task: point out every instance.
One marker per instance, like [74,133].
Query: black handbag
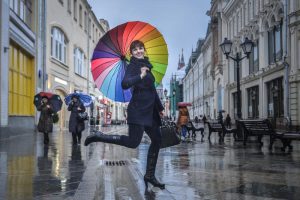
[82,116]
[55,117]
[169,135]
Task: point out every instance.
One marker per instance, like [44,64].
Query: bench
[229,131]
[286,136]
[258,127]
[191,127]
[215,126]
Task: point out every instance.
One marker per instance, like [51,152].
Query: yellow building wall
[21,82]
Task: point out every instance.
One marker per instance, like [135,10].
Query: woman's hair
[136,43]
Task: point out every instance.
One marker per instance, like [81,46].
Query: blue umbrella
[84,98]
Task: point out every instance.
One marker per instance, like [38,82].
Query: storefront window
[253,102]
[235,97]
[275,98]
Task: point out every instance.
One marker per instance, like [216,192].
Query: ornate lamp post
[174,102]
[165,101]
[247,47]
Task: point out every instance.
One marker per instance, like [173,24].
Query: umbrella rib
[102,64]
[137,31]
[109,46]
[158,63]
[105,52]
[110,79]
[120,72]
[153,38]
[156,46]
[120,49]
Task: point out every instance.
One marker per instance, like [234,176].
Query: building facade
[71,36]
[193,82]
[269,83]
[19,57]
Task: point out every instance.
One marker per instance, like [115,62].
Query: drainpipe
[286,66]
[43,32]
[88,50]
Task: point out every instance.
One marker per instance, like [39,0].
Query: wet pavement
[190,170]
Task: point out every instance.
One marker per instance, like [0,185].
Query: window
[275,98]
[79,66]
[58,45]
[75,10]
[254,59]
[275,44]
[23,8]
[85,21]
[80,15]
[93,33]
[89,27]
[253,102]
[69,6]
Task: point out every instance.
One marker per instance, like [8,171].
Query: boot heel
[146,183]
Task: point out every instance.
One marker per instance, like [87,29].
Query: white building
[193,82]
[270,77]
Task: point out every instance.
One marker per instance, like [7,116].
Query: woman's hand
[161,113]
[144,72]
[48,106]
[78,108]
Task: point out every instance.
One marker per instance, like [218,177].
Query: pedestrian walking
[182,120]
[228,121]
[76,126]
[204,119]
[143,114]
[45,124]
[196,120]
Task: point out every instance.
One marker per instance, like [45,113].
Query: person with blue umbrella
[76,126]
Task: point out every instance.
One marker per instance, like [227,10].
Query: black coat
[76,125]
[45,124]
[145,105]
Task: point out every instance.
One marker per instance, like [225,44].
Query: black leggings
[135,134]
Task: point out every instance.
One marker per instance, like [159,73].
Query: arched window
[79,62]
[58,45]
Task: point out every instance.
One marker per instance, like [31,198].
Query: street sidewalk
[31,170]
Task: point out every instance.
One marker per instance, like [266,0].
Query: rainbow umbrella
[111,55]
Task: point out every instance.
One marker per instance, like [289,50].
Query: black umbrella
[54,100]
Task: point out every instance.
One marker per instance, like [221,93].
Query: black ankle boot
[150,171]
[154,182]
[101,137]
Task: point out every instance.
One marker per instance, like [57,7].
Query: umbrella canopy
[183,104]
[84,98]
[54,100]
[111,55]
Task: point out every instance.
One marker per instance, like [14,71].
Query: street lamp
[174,109]
[247,47]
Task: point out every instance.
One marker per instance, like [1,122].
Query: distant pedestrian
[183,119]
[45,124]
[204,119]
[143,114]
[76,126]
[228,121]
[196,120]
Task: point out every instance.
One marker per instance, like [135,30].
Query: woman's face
[138,52]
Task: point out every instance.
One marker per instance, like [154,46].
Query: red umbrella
[183,104]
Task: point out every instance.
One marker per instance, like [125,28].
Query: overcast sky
[181,22]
